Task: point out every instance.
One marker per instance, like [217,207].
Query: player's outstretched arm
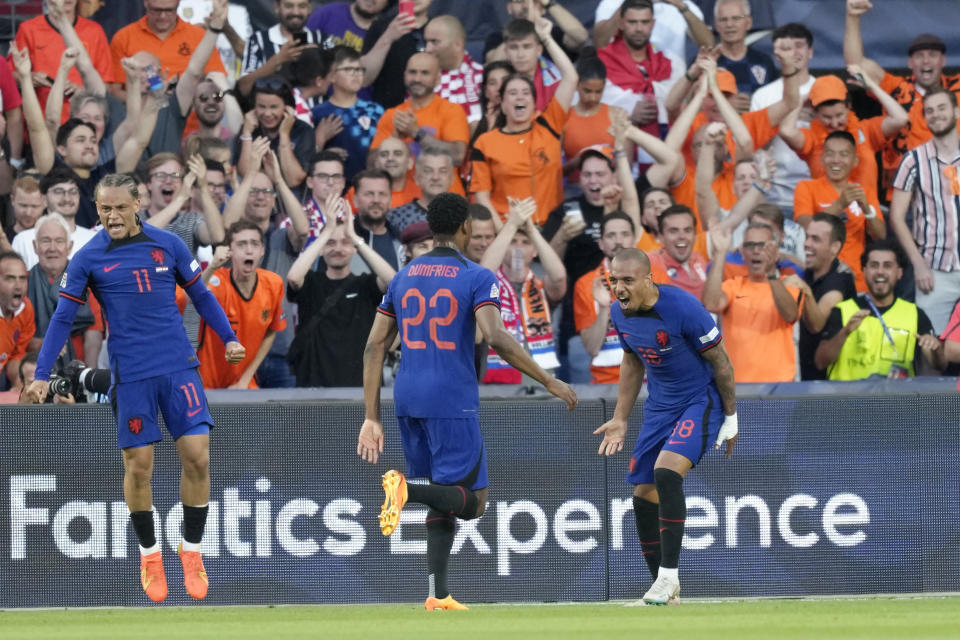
[615,430]
[491,325]
[382,335]
[212,313]
[718,357]
[57,333]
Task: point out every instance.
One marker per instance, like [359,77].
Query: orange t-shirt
[521,165]
[685,193]
[585,314]
[869,136]
[250,319]
[916,133]
[16,333]
[758,124]
[441,118]
[46,46]
[812,196]
[759,341]
[648,242]
[174,51]
[586,131]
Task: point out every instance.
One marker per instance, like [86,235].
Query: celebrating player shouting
[133,271]
[692,400]
[436,302]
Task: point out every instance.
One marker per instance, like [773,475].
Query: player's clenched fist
[235,352]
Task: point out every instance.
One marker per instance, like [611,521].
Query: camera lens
[59,386]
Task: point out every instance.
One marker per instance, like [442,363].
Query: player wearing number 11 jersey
[666,332]
[133,271]
[436,304]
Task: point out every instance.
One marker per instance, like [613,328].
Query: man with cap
[926,58]
[417,239]
[830,103]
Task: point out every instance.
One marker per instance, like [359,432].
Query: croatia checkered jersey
[135,280]
[668,339]
[434,300]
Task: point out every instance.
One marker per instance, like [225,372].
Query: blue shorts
[179,396]
[688,430]
[445,450]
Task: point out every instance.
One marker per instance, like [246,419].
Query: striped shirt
[935,207]
[264,44]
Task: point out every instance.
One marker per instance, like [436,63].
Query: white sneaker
[663,591]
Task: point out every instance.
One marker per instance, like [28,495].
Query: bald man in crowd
[461,77]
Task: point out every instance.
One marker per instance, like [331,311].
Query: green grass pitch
[871,618]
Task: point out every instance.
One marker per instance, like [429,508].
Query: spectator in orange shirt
[16,317]
[757,310]
[684,267]
[252,299]
[46,37]
[838,194]
[393,156]
[162,33]
[425,118]
[523,157]
[589,120]
[828,97]
[926,59]
[592,297]
[653,202]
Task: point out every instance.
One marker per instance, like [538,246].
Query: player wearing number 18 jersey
[133,272]
[665,332]
[436,304]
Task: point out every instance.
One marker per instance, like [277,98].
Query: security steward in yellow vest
[877,333]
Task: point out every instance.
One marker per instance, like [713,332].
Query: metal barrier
[825,495]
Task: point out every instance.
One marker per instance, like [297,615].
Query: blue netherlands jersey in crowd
[668,339]
[433,300]
[135,280]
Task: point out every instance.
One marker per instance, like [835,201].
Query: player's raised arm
[723,375]
[491,326]
[615,430]
[382,335]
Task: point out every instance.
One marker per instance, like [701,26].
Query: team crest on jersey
[265,315]
[135,425]
[157,255]
[663,338]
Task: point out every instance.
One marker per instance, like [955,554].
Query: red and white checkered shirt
[463,86]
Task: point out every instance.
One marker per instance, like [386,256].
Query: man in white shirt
[62,195]
[674,20]
[790,169]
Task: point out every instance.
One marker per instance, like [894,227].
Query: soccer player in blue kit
[436,303]
[133,271]
[668,333]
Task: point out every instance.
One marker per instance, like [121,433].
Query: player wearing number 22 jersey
[436,304]
[133,271]
[666,333]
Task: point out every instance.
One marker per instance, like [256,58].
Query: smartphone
[300,38]
[405,7]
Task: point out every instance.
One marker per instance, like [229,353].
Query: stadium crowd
[823,236]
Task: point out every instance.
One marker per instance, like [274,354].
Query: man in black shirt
[336,307]
[826,282]
[388,45]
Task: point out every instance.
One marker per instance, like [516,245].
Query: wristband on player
[727,430]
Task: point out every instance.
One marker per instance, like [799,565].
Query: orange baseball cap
[726,81]
[827,88]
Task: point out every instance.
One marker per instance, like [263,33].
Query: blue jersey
[433,300]
[135,280]
[668,339]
